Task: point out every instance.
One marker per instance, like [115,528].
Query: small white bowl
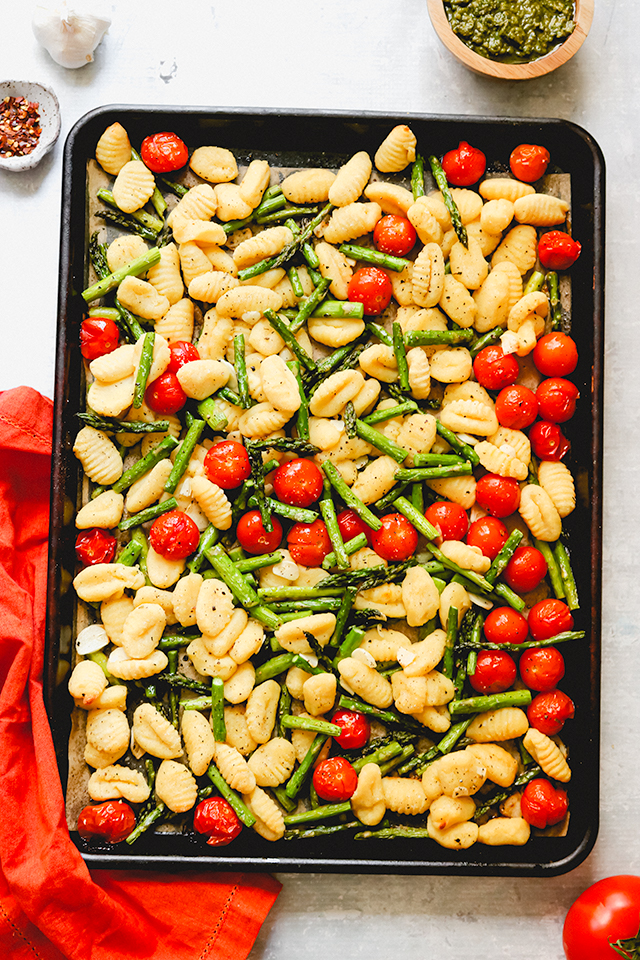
[49,110]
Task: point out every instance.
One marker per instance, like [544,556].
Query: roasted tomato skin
[488,533]
[396,540]
[111,821]
[505,625]
[548,618]
[548,711]
[165,395]
[542,668]
[309,543]
[95,546]
[450,518]
[217,821]
[174,535]
[543,805]
[371,287]
[98,336]
[355,729]
[335,779]
[516,407]
[252,535]
[298,482]
[526,569]
[465,165]
[494,369]
[555,354]
[499,496]
[529,162]
[548,441]
[557,399]
[558,250]
[495,672]
[394,235]
[163,152]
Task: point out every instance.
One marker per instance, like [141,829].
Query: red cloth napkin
[51,906]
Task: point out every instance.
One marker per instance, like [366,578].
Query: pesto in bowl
[511,31]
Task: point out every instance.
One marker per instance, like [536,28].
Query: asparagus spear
[441,180]
[376,257]
[289,251]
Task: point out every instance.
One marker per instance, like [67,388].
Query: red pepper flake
[19,126]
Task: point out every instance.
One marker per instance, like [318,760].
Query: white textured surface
[378,55]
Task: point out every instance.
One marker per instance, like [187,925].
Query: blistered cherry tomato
[555,354]
[488,533]
[309,543]
[164,152]
[557,399]
[529,162]
[253,537]
[227,464]
[165,395]
[450,518]
[548,618]
[394,235]
[557,250]
[526,569]
[499,496]
[217,820]
[371,287]
[351,525]
[174,535]
[495,672]
[181,352]
[335,779]
[516,407]
[95,546]
[541,668]
[505,625]
[543,804]
[112,821]
[495,369]
[355,729]
[548,441]
[548,711]
[464,165]
[298,482]
[98,336]
[396,540]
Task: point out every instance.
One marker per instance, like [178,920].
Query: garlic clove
[91,639]
[69,31]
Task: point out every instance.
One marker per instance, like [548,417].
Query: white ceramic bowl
[49,110]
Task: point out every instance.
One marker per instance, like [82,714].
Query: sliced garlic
[287,569]
[91,639]
[364,657]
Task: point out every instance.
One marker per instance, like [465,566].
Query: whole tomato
[174,535]
[605,915]
[548,618]
[217,820]
[396,540]
[557,250]
[548,442]
[164,152]
[548,711]
[112,821]
[181,352]
[351,525]
[227,464]
[495,369]
[95,546]
[543,805]
[371,287]
[495,672]
[464,165]
[505,625]
[394,235]
[488,533]
[516,407]
[541,668]
[253,537]
[335,779]
[309,543]
[555,354]
[557,399]
[298,482]
[98,336]
[450,518]
[529,162]
[165,395]
[355,729]
[526,569]
[499,496]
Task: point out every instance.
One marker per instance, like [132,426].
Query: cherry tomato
[529,162]
[548,618]
[555,354]
[371,287]
[355,729]
[112,821]
[505,625]
[253,537]
[464,165]
[164,152]
[396,540]
[335,779]
[394,235]
[217,820]
[309,543]
[165,395]
[174,535]
[516,407]
[543,805]
[557,250]
[495,369]
[488,533]
[227,464]
[557,399]
[298,483]
[526,569]
[351,525]
[548,441]
[499,496]
[548,711]
[450,518]
[542,668]
[495,672]
[181,352]
[605,914]
[95,546]
[98,336]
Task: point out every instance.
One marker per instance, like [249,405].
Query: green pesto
[511,31]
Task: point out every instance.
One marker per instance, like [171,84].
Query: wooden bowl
[512,71]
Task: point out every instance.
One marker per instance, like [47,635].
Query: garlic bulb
[69,31]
